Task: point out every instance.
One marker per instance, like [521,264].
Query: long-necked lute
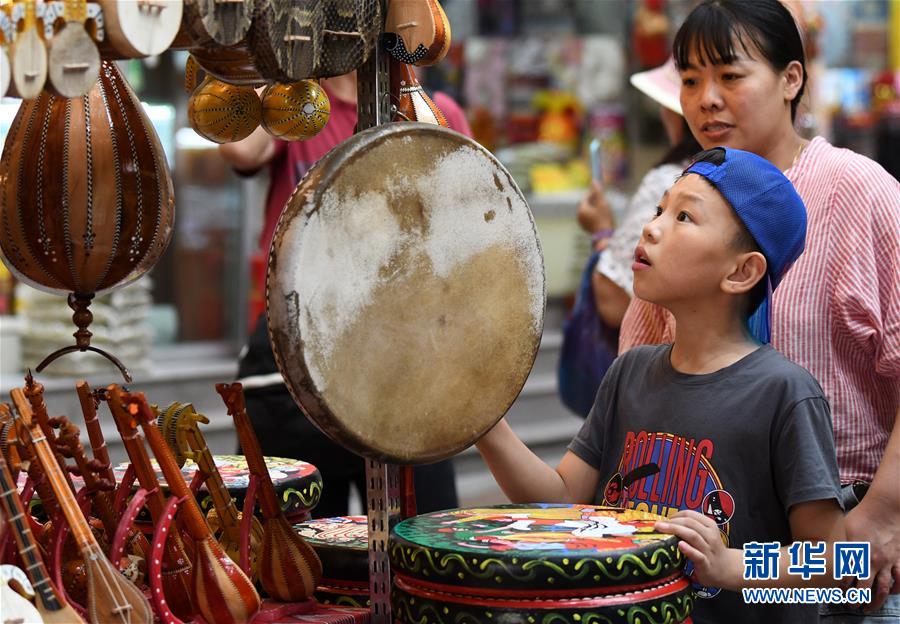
[134,564]
[179,424]
[112,599]
[289,568]
[222,592]
[177,569]
[49,602]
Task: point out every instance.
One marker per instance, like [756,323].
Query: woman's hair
[682,151]
[716,27]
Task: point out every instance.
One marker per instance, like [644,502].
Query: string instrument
[28,55]
[89,402]
[296,111]
[286,38]
[139,28]
[214,23]
[410,99]
[34,392]
[16,594]
[289,568]
[48,601]
[177,571]
[73,60]
[223,112]
[111,598]
[417,32]
[222,591]
[180,426]
[99,488]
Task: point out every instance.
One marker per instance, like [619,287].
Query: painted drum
[537,563]
[298,484]
[405,292]
[342,544]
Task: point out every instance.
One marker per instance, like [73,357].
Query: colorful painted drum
[537,563]
[298,484]
[342,544]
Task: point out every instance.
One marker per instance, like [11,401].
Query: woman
[837,312]
[612,280]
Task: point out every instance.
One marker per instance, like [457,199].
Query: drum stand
[382,480]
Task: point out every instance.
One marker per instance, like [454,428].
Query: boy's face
[686,250]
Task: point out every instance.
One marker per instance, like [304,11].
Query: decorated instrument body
[286,38]
[222,592]
[296,111]
[289,569]
[222,112]
[111,597]
[342,544]
[565,563]
[417,32]
[215,23]
[86,201]
[412,102]
[429,335]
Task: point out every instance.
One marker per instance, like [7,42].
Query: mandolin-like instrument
[48,601]
[417,32]
[111,597]
[179,424]
[289,568]
[28,56]
[139,28]
[73,60]
[222,592]
[177,571]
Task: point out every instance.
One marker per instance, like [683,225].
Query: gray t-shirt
[741,445]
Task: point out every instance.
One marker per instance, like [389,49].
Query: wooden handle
[34,391]
[233,396]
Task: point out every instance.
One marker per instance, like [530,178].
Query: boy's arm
[718,566]
[250,154]
[877,520]
[526,478]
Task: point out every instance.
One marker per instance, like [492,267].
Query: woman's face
[744,104]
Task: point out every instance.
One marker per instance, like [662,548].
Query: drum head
[405,293]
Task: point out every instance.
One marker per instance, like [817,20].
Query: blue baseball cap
[769,207]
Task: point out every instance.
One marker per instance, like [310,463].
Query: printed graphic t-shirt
[740,445]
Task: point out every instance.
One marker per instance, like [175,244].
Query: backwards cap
[769,207]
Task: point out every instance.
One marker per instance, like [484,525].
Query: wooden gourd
[296,111]
[86,200]
[222,112]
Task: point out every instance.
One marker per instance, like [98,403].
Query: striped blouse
[837,311]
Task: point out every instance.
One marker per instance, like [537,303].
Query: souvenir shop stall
[405,294]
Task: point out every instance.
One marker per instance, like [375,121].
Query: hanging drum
[405,292]
[86,201]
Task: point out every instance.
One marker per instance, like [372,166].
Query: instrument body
[86,198]
[48,601]
[222,592]
[289,569]
[286,38]
[560,563]
[215,23]
[429,335]
[417,32]
[223,112]
[413,103]
[111,597]
[296,111]
[28,55]
[135,29]
[16,603]
[73,60]
[177,570]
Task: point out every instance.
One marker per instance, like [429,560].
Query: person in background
[612,280]
[281,427]
[837,313]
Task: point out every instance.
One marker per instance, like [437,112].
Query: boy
[716,423]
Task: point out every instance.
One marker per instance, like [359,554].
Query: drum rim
[318,178]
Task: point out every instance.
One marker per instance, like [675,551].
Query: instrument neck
[75,11]
[268,500]
[28,549]
[224,504]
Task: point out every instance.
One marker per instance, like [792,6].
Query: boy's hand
[701,542]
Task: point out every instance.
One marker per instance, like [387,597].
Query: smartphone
[596,165]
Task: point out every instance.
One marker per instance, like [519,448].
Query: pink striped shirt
[837,311]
